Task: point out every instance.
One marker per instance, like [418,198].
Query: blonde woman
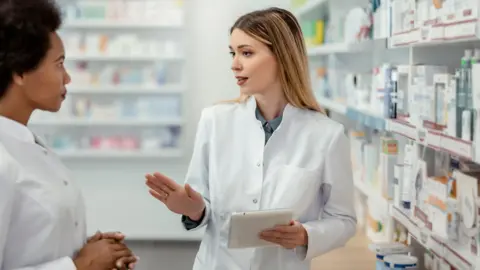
[271,148]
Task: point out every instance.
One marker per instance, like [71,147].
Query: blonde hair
[280,31]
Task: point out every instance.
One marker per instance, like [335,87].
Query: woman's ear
[18,79]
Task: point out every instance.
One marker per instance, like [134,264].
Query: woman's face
[253,64]
[44,87]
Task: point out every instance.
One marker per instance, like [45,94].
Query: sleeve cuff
[304,252]
[301,252]
[190,224]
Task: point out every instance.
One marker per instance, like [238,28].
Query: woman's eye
[247,53]
[232,54]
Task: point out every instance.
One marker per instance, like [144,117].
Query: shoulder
[322,125]
[222,111]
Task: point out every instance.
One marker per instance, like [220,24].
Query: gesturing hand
[288,236]
[179,199]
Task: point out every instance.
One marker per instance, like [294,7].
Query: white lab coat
[42,216]
[305,166]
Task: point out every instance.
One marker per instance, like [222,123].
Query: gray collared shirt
[268,126]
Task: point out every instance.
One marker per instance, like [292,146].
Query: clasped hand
[105,251]
[288,236]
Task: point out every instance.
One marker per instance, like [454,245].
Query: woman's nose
[236,64]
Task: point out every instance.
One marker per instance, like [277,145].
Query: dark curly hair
[25,28]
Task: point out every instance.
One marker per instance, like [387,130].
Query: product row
[85,74]
[432,189]
[427,20]
[153,108]
[149,140]
[168,12]
[405,21]
[422,95]
[125,44]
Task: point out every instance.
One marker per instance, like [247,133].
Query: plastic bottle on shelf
[400,262]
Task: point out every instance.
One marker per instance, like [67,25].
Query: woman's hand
[179,199]
[118,237]
[288,236]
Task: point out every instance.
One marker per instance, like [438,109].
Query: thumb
[192,193]
[96,237]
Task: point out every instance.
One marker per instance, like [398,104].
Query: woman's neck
[14,109]
[271,106]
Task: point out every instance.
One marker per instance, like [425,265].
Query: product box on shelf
[443,99]
[460,19]
[388,159]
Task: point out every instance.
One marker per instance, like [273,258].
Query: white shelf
[87,57]
[433,139]
[309,6]
[332,105]
[361,46]
[125,89]
[111,24]
[102,153]
[106,122]
[457,256]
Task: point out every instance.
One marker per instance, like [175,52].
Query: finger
[126,262]
[129,260]
[118,236]
[134,264]
[286,243]
[116,246]
[157,196]
[166,181]
[271,239]
[122,254]
[96,237]
[279,234]
[286,229]
[153,182]
[159,187]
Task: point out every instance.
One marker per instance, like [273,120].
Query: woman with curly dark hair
[42,215]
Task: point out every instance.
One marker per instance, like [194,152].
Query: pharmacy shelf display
[409,95]
[127,63]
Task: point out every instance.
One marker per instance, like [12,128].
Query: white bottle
[466,125]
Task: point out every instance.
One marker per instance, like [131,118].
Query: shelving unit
[334,62]
[127,72]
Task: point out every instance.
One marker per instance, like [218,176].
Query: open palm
[183,200]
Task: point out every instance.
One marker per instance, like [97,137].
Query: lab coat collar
[16,130]
[288,112]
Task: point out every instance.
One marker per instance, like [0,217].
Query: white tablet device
[245,227]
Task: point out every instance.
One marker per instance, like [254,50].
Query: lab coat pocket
[296,187]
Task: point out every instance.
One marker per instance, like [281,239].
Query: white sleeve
[197,174]
[8,195]
[338,219]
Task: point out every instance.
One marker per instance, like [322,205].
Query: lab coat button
[76,224]
[258,164]
[65,183]
[255,200]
